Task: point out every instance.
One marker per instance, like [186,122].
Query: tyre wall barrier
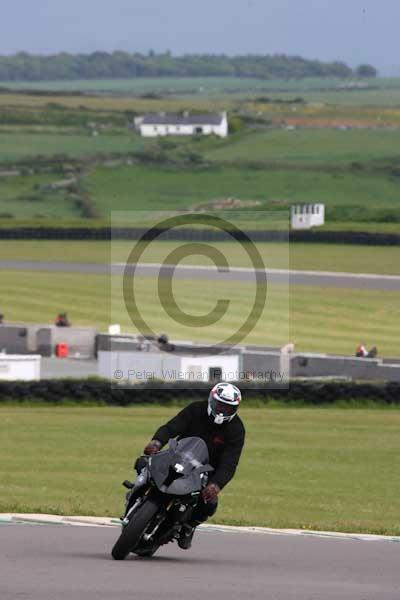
[100,392]
[189,234]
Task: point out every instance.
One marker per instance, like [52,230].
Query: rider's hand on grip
[210,492]
[152,447]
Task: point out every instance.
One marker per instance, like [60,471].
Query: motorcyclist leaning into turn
[215,421]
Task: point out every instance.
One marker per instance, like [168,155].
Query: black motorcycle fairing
[136,488]
[179,469]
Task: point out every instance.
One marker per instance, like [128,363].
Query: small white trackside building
[133,367]
[19,367]
[162,124]
[304,216]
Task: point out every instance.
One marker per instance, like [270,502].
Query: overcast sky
[354,31]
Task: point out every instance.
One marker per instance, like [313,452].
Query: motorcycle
[163,497]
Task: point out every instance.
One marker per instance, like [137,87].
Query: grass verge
[327,469]
[319,257]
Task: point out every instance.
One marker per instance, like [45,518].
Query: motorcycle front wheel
[133,532]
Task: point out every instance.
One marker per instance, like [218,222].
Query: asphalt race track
[309,278]
[64,562]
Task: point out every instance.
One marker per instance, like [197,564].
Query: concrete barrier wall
[264,365]
[13,339]
[382,372]
[81,340]
[117,343]
[84,341]
[42,338]
[322,365]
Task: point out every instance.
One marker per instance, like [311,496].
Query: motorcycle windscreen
[177,471]
[192,452]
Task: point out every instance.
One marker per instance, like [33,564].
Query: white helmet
[223,402]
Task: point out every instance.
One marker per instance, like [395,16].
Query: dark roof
[179,119]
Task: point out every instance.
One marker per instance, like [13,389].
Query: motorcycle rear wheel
[133,532]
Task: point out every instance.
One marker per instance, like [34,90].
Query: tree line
[99,65]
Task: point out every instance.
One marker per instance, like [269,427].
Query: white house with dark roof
[161,124]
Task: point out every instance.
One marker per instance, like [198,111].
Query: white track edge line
[272,271]
[86,521]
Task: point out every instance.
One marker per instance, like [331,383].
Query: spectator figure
[164,344]
[362,352]
[1,319]
[62,320]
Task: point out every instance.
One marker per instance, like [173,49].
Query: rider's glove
[152,447]
[210,492]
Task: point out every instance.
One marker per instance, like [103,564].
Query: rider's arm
[178,425]
[229,459]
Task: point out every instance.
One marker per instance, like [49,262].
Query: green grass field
[343,169]
[353,200]
[149,84]
[382,91]
[305,147]
[20,197]
[318,257]
[310,146]
[353,172]
[21,145]
[315,319]
[146,188]
[326,469]
[141,85]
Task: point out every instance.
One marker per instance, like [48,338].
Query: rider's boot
[186,536]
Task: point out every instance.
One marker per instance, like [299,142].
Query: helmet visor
[223,408]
